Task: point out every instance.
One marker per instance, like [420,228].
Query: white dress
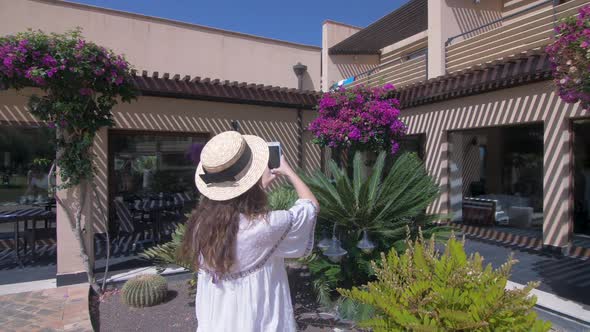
[255,296]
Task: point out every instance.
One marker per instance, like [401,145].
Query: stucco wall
[338,67]
[166,115]
[526,104]
[447,18]
[167,46]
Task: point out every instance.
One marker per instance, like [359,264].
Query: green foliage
[330,277]
[424,290]
[144,291]
[167,253]
[145,163]
[391,207]
[282,198]
[382,206]
[352,310]
[81,82]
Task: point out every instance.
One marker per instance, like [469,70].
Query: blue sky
[296,21]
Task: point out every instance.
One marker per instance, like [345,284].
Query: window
[416,54]
[26,156]
[144,163]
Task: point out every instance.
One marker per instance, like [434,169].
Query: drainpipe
[300,70]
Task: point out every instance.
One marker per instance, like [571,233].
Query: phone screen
[274,160]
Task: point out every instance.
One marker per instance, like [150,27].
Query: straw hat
[231,163]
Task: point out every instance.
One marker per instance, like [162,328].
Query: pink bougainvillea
[570,58]
[360,117]
[78,83]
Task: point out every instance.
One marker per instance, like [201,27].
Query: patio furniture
[133,222]
[155,208]
[479,211]
[520,216]
[537,219]
[48,205]
[504,203]
[23,215]
[33,234]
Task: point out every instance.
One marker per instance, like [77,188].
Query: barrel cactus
[144,291]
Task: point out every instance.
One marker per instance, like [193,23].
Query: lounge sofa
[512,210]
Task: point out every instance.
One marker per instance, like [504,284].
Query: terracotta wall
[526,104]
[151,43]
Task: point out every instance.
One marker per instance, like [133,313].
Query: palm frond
[167,253]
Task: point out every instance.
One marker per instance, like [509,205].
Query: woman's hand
[284,169]
[267,178]
[270,175]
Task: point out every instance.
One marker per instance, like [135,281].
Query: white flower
[573,69]
[562,81]
[577,81]
[569,62]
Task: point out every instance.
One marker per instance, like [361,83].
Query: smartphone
[274,160]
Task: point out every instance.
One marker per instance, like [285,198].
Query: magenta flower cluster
[78,83]
[29,61]
[360,117]
[570,58]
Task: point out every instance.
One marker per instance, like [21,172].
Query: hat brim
[224,191]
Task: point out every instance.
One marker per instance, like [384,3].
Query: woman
[238,245]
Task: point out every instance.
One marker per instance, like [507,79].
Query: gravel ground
[178,312]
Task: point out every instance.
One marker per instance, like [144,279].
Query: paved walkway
[565,277]
[527,238]
[56,309]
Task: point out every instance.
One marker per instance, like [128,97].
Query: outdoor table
[24,215]
[48,205]
[154,208]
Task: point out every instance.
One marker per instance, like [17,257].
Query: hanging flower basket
[570,58]
[361,118]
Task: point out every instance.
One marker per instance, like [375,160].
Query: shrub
[167,253]
[386,206]
[282,198]
[424,290]
[144,291]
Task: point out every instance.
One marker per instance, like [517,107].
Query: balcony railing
[400,67]
[526,30]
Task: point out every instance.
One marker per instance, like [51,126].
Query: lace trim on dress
[237,275]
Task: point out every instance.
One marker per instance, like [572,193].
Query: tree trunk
[76,221]
[364,163]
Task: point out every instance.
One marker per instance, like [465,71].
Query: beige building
[190,78]
[476,91]
[473,81]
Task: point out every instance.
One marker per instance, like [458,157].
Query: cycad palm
[168,253]
[382,204]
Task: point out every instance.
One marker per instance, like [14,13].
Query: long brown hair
[213,228]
